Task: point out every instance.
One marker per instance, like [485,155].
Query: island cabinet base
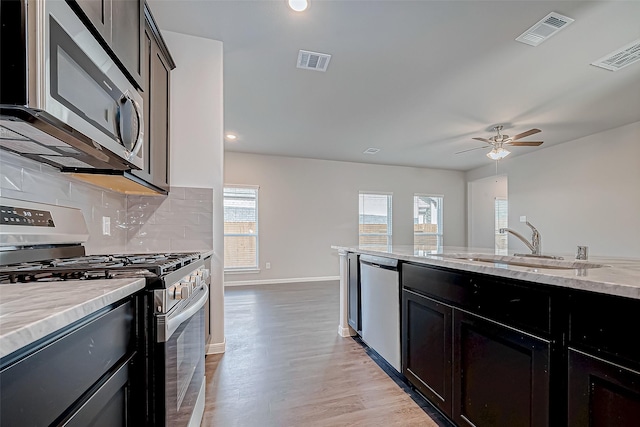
[501,375]
[496,352]
[481,349]
[427,345]
[602,393]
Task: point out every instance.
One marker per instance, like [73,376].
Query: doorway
[487,212]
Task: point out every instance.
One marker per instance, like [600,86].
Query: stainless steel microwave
[63,99]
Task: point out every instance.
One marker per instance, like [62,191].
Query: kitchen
[560,171]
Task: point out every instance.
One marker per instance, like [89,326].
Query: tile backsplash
[181,221]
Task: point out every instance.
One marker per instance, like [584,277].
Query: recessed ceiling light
[298,5]
[231,137]
[371,150]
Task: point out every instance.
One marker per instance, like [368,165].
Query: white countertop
[620,276]
[30,311]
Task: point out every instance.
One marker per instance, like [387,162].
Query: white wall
[482,194]
[197,147]
[582,192]
[307,205]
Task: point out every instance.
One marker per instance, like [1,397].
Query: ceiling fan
[498,151]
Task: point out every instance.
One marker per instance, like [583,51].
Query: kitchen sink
[554,264]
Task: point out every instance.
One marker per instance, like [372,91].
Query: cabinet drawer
[510,302]
[514,304]
[39,387]
[604,325]
[107,406]
[445,285]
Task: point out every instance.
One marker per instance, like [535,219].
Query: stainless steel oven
[179,348]
[65,86]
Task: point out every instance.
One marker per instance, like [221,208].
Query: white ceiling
[416,79]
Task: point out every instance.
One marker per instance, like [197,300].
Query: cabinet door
[159,116]
[98,12]
[426,347]
[354,292]
[155,151]
[501,375]
[127,24]
[601,393]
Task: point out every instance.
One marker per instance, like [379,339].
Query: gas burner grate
[97,267]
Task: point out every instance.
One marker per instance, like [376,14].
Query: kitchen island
[500,340]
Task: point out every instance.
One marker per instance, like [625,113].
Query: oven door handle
[168,325]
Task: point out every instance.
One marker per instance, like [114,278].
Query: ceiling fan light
[498,153]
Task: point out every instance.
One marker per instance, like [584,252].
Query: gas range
[44,243]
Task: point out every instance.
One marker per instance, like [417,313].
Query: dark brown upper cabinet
[119,27]
[156,71]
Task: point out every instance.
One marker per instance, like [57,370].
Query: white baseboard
[278,281]
[216,348]
[346,332]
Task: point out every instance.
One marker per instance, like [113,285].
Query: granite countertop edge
[620,276]
[29,312]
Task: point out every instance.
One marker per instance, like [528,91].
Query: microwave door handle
[129,112]
[140,140]
[166,326]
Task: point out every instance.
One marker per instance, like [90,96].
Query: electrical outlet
[267,265]
[523,218]
[106,226]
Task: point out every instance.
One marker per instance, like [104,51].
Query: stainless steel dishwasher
[380,306]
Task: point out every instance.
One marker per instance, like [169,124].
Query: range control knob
[195,280]
[182,290]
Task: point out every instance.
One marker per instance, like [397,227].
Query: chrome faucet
[534,245]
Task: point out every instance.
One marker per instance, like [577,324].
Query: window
[375,221]
[427,222]
[501,220]
[240,228]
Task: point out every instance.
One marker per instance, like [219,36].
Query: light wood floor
[285,365]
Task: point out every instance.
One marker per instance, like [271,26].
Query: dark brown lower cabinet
[501,375]
[353,314]
[87,374]
[427,347]
[493,352]
[602,394]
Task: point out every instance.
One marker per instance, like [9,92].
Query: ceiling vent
[545,28]
[371,151]
[620,58]
[313,60]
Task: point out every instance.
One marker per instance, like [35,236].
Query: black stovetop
[97,267]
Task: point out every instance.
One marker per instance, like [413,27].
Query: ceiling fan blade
[525,143]
[527,133]
[470,149]
[488,141]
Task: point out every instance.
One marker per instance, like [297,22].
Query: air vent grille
[620,58]
[313,60]
[371,150]
[545,28]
